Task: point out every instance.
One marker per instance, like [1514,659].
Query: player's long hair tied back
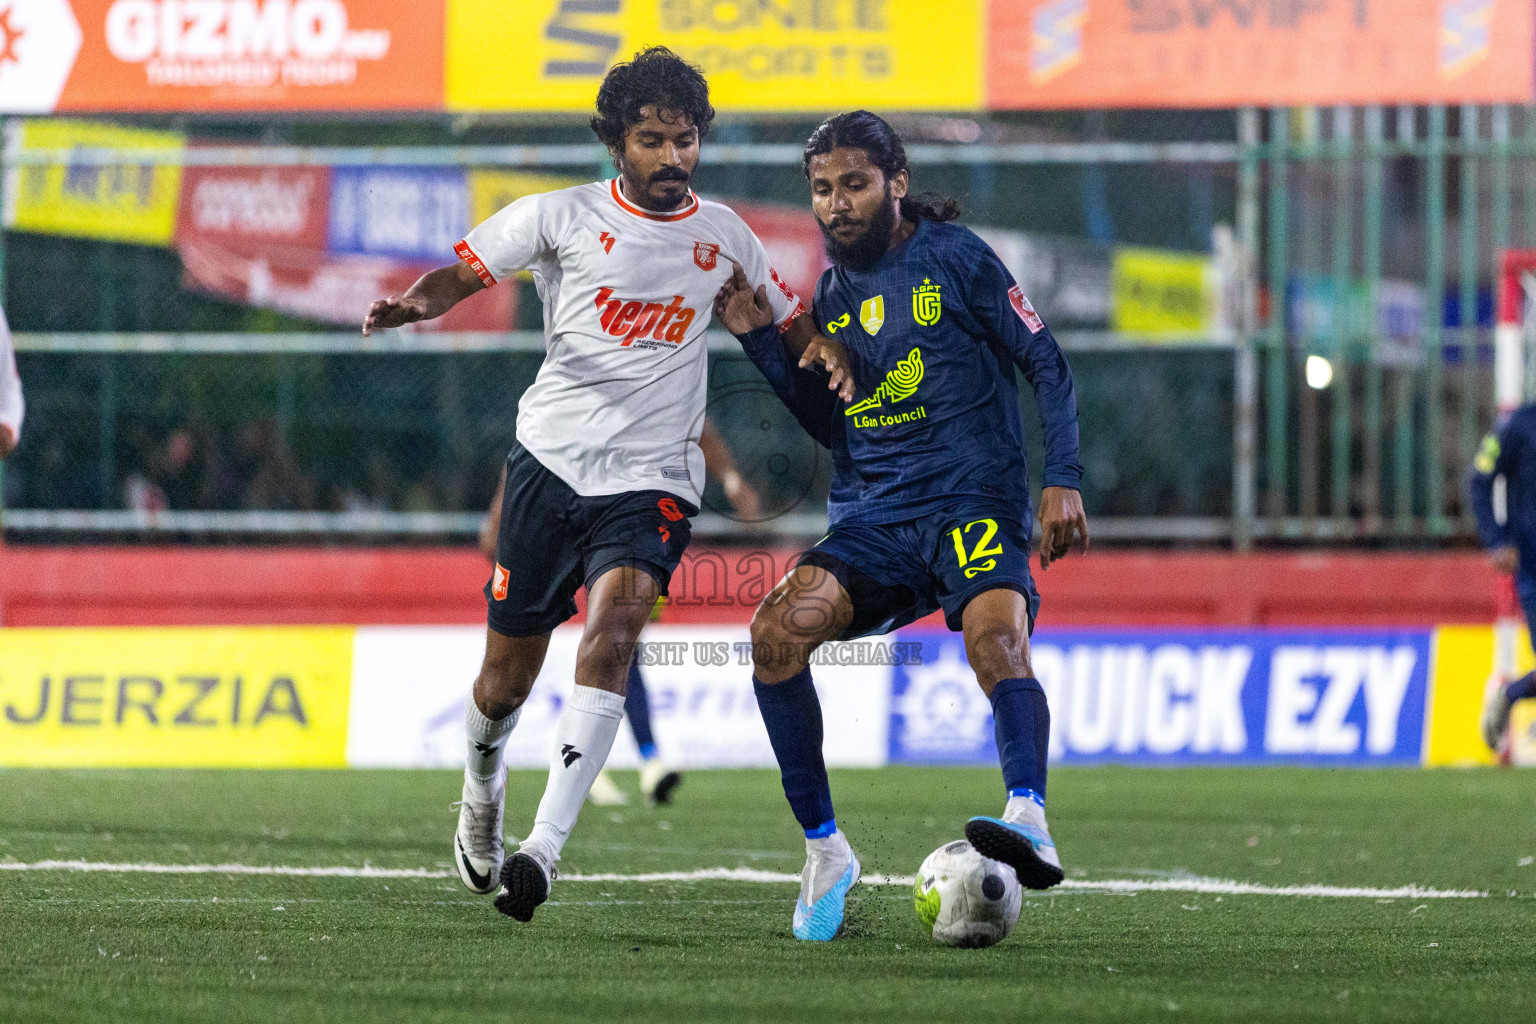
[860,129]
[655,76]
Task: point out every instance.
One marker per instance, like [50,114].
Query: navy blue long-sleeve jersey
[1511,453]
[933,332]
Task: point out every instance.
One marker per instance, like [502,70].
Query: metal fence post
[1279,245]
[1343,261]
[1434,338]
[1467,337]
[1245,380]
[1370,273]
[1402,412]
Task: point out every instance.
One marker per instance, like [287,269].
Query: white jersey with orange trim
[619,403]
[12,408]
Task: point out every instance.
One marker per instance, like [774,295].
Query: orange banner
[1224,53]
[225,55]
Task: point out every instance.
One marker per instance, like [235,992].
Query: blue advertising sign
[1205,696]
[409,213]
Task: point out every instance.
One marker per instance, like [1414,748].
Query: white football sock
[487,738]
[583,739]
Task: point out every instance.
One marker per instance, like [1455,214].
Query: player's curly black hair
[859,129]
[655,75]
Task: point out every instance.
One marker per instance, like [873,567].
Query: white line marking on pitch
[1213,886]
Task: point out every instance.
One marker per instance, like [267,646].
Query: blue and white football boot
[1021,840]
[831,869]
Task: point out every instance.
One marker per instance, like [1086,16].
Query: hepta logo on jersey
[634,320]
[706,254]
[499,583]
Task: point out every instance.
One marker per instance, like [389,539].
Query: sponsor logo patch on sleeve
[1026,312]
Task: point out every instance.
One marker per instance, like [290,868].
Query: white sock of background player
[583,739]
[486,739]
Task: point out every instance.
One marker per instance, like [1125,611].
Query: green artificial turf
[97,946]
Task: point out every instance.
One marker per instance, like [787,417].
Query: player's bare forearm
[720,464]
[434,293]
[1063,524]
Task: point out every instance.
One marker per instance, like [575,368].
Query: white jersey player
[607,471]
[12,407]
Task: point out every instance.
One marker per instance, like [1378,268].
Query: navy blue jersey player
[930,506]
[1509,452]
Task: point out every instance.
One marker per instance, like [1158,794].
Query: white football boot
[831,869]
[1496,707]
[477,848]
[606,793]
[1021,840]
[657,781]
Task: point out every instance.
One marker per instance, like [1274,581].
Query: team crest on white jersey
[706,254]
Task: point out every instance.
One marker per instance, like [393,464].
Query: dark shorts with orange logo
[553,541]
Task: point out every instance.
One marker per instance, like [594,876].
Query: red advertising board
[257,236]
[333,289]
[1223,53]
[247,206]
[222,55]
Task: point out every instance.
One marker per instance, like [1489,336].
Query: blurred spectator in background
[263,473]
[12,408]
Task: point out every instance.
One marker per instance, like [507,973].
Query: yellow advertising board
[1159,291]
[1462,663]
[819,56]
[185,697]
[491,189]
[114,202]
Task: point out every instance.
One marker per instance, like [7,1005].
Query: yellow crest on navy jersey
[926,306]
[1487,455]
[872,314]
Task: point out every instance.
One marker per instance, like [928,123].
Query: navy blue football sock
[792,713]
[637,708]
[1521,688]
[1022,724]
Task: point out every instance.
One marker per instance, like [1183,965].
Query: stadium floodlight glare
[1319,372]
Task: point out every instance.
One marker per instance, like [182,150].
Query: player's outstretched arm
[12,406]
[434,294]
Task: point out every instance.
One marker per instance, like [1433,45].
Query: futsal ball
[966,899]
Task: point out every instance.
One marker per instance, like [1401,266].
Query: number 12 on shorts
[982,556]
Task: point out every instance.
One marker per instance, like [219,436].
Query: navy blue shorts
[895,573]
[553,541]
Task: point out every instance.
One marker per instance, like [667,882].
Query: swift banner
[221,55]
[798,55]
[1190,53]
